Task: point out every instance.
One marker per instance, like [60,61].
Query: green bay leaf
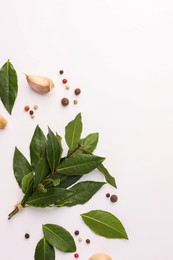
[66,181]
[59,237]
[21,166]
[109,178]
[8,86]
[82,192]
[53,195]
[44,251]
[26,180]
[89,143]
[79,164]
[73,132]
[104,224]
[41,171]
[37,146]
[53,151]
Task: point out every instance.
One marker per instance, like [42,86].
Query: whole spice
[75,102]
[31,112]
[77,91]
[26,108]
[32,116]
[61,72]
[76,255]
[76,232]
[40,84]
[108,195]
[35,107]
[64,81]
[114,198]
[27,236]
[67,87]
[100,256]
[65,101]
[88,241]
[3,122]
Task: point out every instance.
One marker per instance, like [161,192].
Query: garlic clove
[100,256]
[3,122]
[40,84]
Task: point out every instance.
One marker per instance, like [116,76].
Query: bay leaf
[44,251]
[29,191]
[66,181]
[73,132]
[37,146]
[59,238]
[82,192]
[104,224]
[79,164]
[89,143]
[53,151]
[53,195]
[41,171]
[21,166]
[26,180]
[109,178]
[8,85]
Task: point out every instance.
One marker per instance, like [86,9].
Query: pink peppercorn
[64,81]
[76,255]
[26,108]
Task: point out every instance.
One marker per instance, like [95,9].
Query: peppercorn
[64,81]
[61,72]
[27,236]
[88,241]
[114,198]
[75,102]
[35,107]
[80,239]
[76,255]
[31,112]
[26,108]
[77,91]
[108,195]
[33,116]
[64,101]
[67,87]
[76,232]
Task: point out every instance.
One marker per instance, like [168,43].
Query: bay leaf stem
[14,212]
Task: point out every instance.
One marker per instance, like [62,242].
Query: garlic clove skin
[3,122]
[40,84]
[100,256]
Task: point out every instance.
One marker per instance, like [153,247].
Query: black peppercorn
[87,241]
[76,232]
[27,236]
[114,198]
[108,195]
[31,112]
[64,101]
[61,72]
[77,91]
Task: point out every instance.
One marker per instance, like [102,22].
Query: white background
[120,53]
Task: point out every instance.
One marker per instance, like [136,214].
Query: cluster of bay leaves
[51,180]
